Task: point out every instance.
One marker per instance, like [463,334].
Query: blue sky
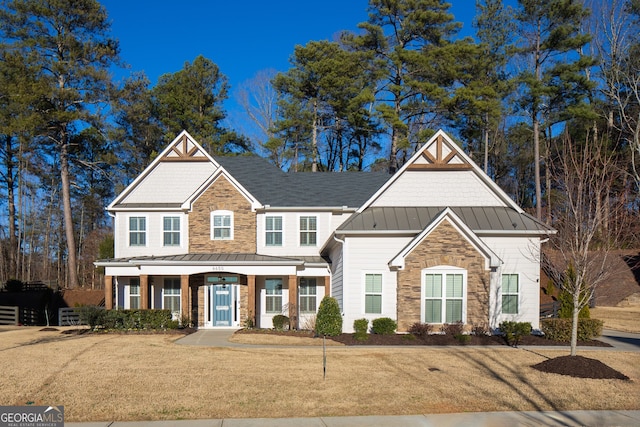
[242,37]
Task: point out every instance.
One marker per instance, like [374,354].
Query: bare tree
[584,172]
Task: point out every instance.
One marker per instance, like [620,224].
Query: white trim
[366,273]
[180,231]
[300,245]
[221,212]
[518,294]
[146,230]
[444,270]
[282,229]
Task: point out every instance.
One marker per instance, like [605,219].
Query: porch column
[108,292]
[184,293]
[144,291]
[293,301]
[251,299]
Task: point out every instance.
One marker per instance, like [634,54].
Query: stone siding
[222,195]
[443,246]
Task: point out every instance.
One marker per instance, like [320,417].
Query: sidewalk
[482,419]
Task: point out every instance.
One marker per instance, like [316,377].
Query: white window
[307,293]
[171,294]
[137,231]
[134,293]
[171,230]
[308,229]
[510,289]
[443,296]
[373,293]
[221,225]
[273,295]
[273,227]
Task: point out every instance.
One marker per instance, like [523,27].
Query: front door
[222,305]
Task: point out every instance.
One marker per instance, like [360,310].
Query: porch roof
[414,219]
[213,259]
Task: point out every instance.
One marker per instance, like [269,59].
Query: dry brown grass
[149,377]
[626,319]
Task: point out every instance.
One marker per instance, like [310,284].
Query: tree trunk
[574,322]
[314,138]
[72,264]
[485,132]
[536,157]
[12,268]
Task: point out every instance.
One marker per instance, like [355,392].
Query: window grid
[171,231]
[307,293]
[273,300]
[443,293]
[221,225]
[308,230]
[510,293]
[137,231]
[134,294]
[373,293]
[273,227]
[171,295]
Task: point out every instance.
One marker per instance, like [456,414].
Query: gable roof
[273,187]
[482,220]
[440,153]
[491,259]
[179,170]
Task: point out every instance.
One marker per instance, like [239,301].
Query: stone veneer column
[144,291]
[108,292]
[185,296]
[293,301]
[251,298]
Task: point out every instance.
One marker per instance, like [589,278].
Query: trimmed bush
[14,285]
[421,329]
[514,331]
[560,329]
[361,326]
[384,326]
[137,320]
[280,322]
[463,338]
[329,319]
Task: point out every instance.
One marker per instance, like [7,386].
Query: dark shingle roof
[271,186]
[416,219]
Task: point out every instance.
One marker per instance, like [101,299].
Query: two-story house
[228,239]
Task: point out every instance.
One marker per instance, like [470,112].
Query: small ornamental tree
[329,319]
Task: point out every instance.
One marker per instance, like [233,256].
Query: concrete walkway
[480,419]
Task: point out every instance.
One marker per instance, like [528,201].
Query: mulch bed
[580,367]
[434,339]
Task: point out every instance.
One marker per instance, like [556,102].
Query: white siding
[291,234]
[337,279]
[521,256]
[369,255]
[171,182]
[438,188]
[154,235]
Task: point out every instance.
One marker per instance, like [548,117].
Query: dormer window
[221,225]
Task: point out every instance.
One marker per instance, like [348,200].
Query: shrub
[361,326]
[514,331]
[329,319]
[384,326]
[480,329]
[560,329]
[90,315]
[137,320]
[280,322]
[421,329]
[452,329]
[463,338]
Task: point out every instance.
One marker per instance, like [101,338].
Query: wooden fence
[9,315]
